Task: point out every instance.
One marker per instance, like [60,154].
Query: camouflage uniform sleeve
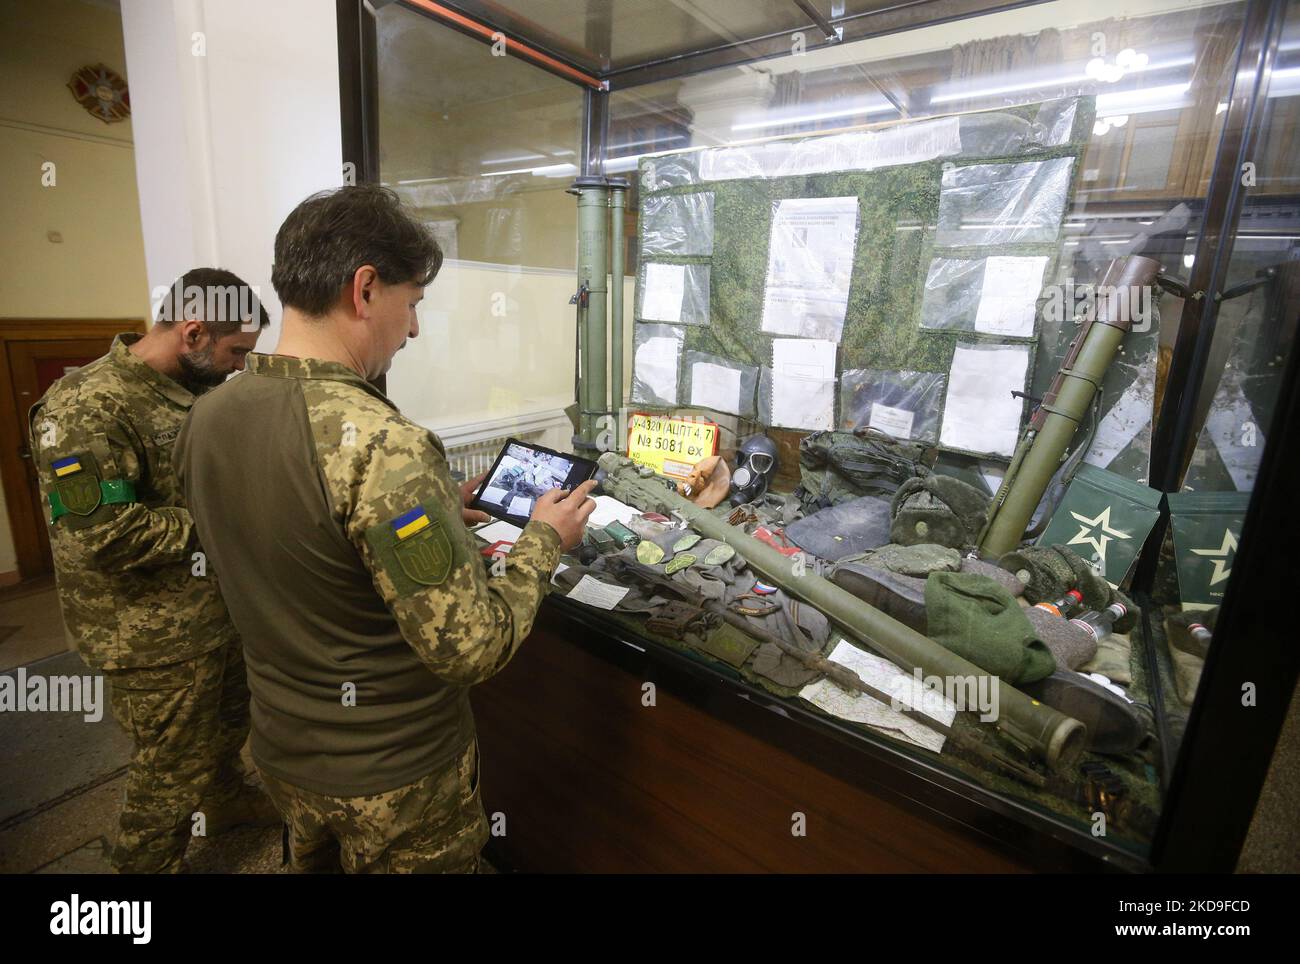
[464,621]
[111,537]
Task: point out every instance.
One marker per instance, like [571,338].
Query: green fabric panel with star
[1207,526]
[1105,518]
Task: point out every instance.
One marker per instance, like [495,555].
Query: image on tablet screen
[521,476]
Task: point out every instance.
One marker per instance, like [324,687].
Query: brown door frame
[23,521]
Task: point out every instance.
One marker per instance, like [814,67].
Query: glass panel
[1159,72]
[1151,153]
[483,148]
[1254,336]
[1045,142]
[622,33]
[1126,97]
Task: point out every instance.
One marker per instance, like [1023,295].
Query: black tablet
[523,472]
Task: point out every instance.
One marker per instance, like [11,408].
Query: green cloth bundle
[977,619]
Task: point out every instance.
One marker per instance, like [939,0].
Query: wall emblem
[102,91]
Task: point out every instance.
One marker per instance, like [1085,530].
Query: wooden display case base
[589,779]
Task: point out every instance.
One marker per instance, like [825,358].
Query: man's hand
[472,517]
[566,512]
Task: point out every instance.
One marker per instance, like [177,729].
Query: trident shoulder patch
[76,485]
[413,548]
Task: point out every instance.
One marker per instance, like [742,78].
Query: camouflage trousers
[188,722]
[435,825]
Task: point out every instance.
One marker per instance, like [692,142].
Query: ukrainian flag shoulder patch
[414,549]
[66,466]
[410,522]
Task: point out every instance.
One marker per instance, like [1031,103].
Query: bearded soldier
[365,607]
[137,597]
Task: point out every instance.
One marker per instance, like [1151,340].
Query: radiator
[470,459]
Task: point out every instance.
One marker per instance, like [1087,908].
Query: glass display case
[987,312]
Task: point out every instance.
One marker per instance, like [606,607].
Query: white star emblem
[1099,541]
[1220,556]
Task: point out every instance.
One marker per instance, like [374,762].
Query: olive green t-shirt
[365,607]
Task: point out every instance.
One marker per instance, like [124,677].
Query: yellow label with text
[670,446]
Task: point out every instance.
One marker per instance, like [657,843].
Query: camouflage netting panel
[899,233]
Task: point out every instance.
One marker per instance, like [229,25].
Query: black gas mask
[755,468]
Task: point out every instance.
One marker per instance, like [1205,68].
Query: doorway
[33,355]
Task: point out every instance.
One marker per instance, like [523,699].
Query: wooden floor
[590,780]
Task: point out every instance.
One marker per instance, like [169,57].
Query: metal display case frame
[1215,782]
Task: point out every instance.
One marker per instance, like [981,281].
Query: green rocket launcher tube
[617,192]
[1037,729]
[593,270]
[1053,424]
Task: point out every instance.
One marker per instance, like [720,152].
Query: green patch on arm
[414,549]
[79,495]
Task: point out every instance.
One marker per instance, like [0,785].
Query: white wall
[229,141]
[71,249]
[236,111]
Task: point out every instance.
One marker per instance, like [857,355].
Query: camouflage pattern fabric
[123,569]
[836,467]
[434,825]
[919,559]
[188,722]
[731,584]
[1114,659]
[462,624]
[132,601]
[368,616]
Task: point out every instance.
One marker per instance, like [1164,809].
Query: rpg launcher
[1031,726]
[1042,446]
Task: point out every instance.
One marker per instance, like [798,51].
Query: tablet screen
[521,474]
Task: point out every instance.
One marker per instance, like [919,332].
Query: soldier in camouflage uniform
[130,574]
[364,605]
